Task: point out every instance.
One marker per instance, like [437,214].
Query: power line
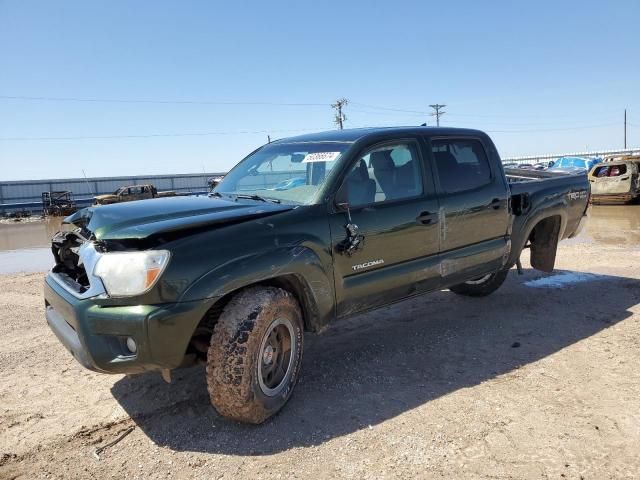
[390,109]
[268,132]
[625,128]
[158,135]
[554,129]
[437,112]
[256,103]
[340,117]
[178,102]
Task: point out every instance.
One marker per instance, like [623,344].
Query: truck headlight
[125,274]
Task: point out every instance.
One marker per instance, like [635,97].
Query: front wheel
[481,286]
[253,362]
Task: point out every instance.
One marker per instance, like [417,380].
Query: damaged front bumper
[96,333]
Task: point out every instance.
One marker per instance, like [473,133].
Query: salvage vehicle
[235,279]
[58,203]
[214,181]
[616,181]
[131,193]
[575,165]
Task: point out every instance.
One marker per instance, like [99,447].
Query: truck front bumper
[96,334]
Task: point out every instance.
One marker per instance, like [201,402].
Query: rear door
[392,201]
[474,213]
[613,179]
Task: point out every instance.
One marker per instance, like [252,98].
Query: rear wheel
[481,286]
[253,362]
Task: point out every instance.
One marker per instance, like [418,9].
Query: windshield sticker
[321,157]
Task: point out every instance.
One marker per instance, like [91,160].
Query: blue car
[289,184]
[574,164]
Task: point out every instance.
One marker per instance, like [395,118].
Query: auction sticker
[321,157]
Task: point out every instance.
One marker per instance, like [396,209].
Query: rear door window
[610,171]
[462,164]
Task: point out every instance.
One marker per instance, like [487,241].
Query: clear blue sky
[542,77]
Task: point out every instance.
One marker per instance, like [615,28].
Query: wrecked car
[131,193]
[574,165]
[236,279]
[616,181]
[214,181]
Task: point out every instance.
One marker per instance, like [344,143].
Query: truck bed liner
[516,175]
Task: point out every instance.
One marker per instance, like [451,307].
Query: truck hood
[145,218]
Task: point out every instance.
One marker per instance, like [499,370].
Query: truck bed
[533,181]
[546,194]
[516,175]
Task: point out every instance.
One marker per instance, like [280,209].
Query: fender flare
[297,267]
[544,212]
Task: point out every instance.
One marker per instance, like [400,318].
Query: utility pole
[625,128]
[340,117]
[437,107]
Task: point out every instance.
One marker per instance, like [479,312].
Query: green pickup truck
[302,232]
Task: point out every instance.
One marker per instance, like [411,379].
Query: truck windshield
[292,173]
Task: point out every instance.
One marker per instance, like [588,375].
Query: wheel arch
[544,238]
[543,233]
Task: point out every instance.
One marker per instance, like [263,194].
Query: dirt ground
[539,380]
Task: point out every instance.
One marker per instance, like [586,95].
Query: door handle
[496,204]
[427,218]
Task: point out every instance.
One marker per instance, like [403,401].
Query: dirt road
[539,380]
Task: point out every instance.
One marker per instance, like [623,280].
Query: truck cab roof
[352,135]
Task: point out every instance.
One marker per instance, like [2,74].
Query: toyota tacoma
[303,232]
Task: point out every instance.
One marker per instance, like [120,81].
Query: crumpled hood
[144,218]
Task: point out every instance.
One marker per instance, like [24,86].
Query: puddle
[27,260]
[24,246]
[31,234]
[613,225]
[562,280]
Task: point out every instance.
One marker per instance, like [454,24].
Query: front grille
[66,247]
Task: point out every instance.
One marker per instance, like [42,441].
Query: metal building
[27,194]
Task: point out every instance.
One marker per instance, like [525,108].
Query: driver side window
[389,172]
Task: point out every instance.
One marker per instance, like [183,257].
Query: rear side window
[610,171]
[461,164]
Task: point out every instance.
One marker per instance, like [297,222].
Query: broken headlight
[125,274]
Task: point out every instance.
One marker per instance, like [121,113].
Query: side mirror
[341,199]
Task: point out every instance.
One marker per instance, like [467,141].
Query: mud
[526,383]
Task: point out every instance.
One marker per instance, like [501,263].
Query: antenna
[88,184]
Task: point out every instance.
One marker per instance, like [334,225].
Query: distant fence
[555,156]
[27,194]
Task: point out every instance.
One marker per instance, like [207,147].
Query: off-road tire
[485,287]
[235,350]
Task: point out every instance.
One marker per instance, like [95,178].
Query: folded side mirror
[341,199]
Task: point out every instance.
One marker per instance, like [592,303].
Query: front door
[392,201]
[474,212]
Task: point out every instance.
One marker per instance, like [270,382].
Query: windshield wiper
[215,194]
[253,196]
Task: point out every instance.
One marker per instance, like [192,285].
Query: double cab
[236,279]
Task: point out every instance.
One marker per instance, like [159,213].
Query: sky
[155,87]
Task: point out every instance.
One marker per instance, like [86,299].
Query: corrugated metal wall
[27,194]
